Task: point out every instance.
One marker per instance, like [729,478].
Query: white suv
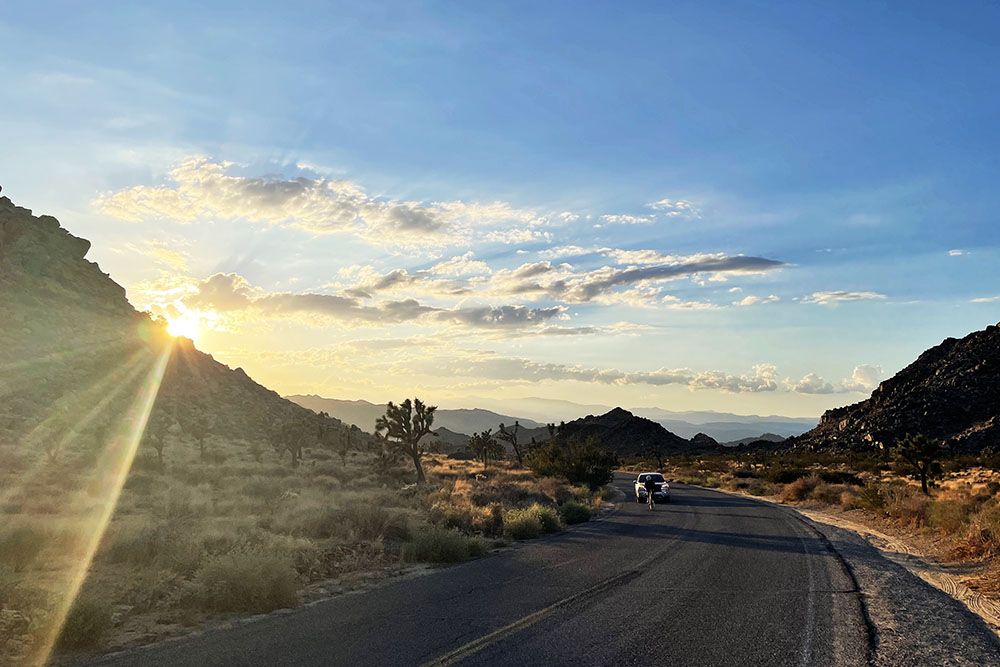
[662,492]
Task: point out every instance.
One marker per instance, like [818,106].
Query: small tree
[576,462]
[485,446]
[922,454]
[404,425]
[510,435]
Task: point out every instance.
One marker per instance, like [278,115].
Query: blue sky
[854,146]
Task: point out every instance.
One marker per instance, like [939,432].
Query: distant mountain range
[951,392]
[722,426]
[363,415]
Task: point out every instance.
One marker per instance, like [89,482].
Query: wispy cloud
[753,300]
[837,296]
[229,292]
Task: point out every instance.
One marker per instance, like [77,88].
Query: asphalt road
[709,579]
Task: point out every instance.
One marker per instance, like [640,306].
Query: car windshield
[651,478]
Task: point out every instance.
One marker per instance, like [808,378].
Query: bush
[371,522]
[904,505]
[744,473]
[784,475]
[548,517]
[800,489]
[521,525]
[573,512]
[20,544]
[948,516]
[249,581]
[828,494]
[984,531]
[440,545]
[87,624]
[840,477]
[576,462]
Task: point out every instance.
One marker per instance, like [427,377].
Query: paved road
[709,579]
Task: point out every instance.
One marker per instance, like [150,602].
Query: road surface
[710,579]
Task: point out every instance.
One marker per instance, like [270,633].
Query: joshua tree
[403,426]
[292,437]
[485,446]
[511,437]
[921,454]
[201,428]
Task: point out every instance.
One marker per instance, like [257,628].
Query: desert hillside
[951,392]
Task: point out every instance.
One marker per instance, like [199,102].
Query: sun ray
[99,395]
[112,469]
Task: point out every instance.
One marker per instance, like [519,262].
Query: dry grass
[241,533]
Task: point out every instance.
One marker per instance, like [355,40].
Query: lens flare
[112,468]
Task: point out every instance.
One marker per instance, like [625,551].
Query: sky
[760,208]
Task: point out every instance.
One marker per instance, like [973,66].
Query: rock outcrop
[74,352]
[951,392]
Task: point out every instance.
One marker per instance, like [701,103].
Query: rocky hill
[76,355]
[626,434]
[951,392]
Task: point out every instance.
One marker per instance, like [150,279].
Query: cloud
[200,189]
[460,265]
[676,303]
[863,380]
[752,300]
[627,219]
[810,384]
[957,252]
[675,208]
[985,299]
[762,378]
[162,252]
[229,292]
[832,297]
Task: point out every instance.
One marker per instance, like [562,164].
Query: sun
[187,325]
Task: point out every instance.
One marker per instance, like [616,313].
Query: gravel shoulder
[917,613]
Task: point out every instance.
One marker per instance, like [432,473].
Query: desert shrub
[163,544]
[800,488]
[555,489]
[449,515]
[744,473]
[948,516]
[489,520]
[20,544]
[828,494]
[576,462]
[88,622]
[440,545]
[905,506]
[841,477]
[317,522]
[9,582]
[784,474]
[249,581]
[983,536]
[573,512]
[506,493]
[521,524]
[548,517]
[263,488]
[370,522]
[606,492]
